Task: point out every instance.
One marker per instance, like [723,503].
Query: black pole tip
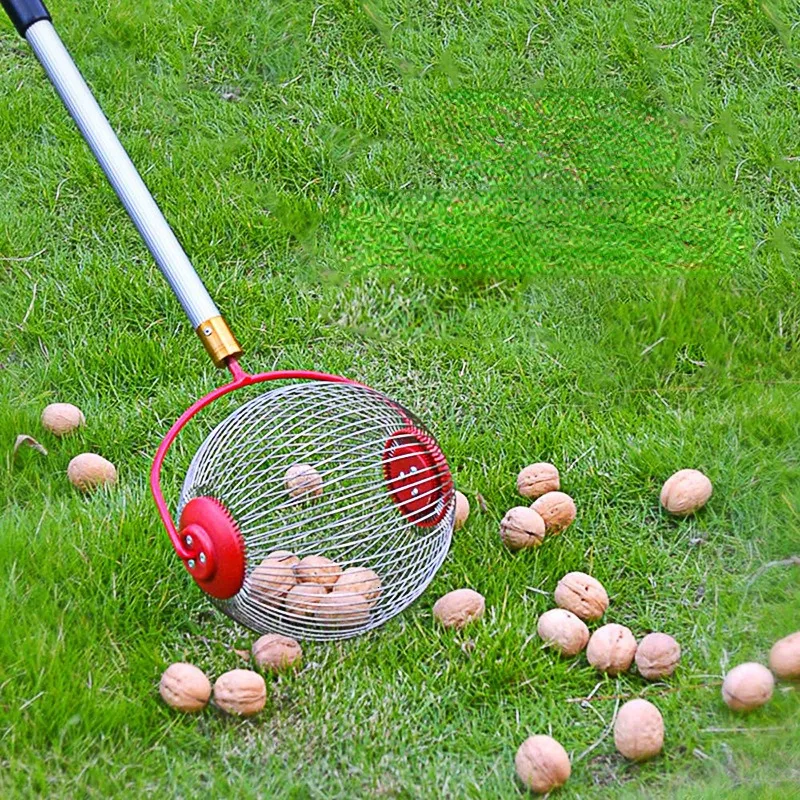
[23,13]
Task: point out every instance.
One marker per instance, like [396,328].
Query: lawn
[559,231]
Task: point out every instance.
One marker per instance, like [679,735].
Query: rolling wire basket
[371,493]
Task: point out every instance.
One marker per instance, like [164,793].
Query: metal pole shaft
[121,173]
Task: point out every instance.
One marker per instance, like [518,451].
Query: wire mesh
[301,469]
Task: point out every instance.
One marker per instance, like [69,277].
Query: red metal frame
[214,533]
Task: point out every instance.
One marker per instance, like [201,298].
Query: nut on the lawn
[302,480]
[582,594]
[521,527]
[62,418]
[302,599]
[542,764]
[285,557]
[318,569]
[462,510]
[89,471]
[342,610]
[784,658]
[611,649]
[361,581]
[639,730]
[240,691]
[273,578]
[538,479]
[657,656]
[563,630]
[747,686]
[685,492]
[185,687]
[277,653]
[458,608]
[557,510]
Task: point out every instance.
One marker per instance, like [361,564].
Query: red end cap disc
[215,547]
[417,476]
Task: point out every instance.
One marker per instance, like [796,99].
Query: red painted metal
[215,547]
[417,476]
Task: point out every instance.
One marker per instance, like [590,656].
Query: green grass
[565,232]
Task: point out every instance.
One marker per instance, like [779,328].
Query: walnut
[302,599]
[318,569]
[62,418]
[458,608]
[747,686]
[611,649]
[462,510]
[284,556]
[557,510]
[582,594]
[784,658]
[521,527]
[563,630]
[657,656]
[685,492]
[272,579]
[303,481]
[89,471]
[277,653]
[240,691]
[342,610]
[361,581]
[542,764]
[538,479]
[639,730]
[185,687]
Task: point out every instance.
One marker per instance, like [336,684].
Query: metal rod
[121,173]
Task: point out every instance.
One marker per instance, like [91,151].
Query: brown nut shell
[462,510]
[521,527]
[639,730]
[241,692]
[361,581]
[582,594]
[784,657]
[563,630]
[657,656]
[272,579]
[318,569]
[747,686]
[342,610]
[538,479]
[685,492]
[303,481]
[277,653]
[62,418]
[458,608]
[185,687]
[285,557]
[557,509]
[542,764]
[611,649]
[302,599]
[89,471]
